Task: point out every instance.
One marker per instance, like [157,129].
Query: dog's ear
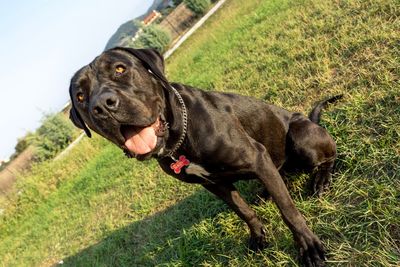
[76,119]
[150,58]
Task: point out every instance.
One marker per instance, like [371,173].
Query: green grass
[98,208]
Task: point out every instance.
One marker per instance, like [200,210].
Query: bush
[177,2]
[152,36]
[52,137]
[22,144]
[199,7]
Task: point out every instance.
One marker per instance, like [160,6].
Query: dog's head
[120,96]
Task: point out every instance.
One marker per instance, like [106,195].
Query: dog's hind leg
[312,149]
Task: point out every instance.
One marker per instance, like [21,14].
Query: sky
[42,44]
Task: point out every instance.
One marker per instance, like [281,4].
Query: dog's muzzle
[143,140]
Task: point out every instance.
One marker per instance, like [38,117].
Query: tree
[22,144]
[52,137]
[177,2]
[199,7]
[152,36]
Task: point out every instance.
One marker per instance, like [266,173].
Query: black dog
[210,138]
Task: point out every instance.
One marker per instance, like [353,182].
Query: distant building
[151,17]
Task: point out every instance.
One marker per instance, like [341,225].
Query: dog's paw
[319,187]
[311,250]
[257,240]
[321,179]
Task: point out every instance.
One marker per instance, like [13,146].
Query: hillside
[98,208]
[129,29]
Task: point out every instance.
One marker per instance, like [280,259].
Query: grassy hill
[98,208]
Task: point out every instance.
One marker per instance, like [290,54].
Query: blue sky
[42,43]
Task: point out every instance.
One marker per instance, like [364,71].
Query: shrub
[22,144]
[199,7]
[152,36]
[177,2]
[53,136]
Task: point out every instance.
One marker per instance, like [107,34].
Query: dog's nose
[105,102]
[109,100]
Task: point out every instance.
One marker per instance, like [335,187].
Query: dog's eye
[80,97]
[119,69]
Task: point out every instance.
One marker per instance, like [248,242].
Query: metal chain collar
[184,120]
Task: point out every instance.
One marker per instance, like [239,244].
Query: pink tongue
[141,142]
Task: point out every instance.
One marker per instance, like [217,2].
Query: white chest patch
[195,169]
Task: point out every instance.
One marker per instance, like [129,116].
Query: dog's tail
[315,114]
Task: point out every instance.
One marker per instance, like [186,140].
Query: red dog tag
[182,162]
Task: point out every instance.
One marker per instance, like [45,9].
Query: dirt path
[9,175]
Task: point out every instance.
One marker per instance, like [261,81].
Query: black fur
[229,137]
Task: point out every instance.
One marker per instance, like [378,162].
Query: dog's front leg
[311,248]
[231,196]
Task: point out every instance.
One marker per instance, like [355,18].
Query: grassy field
[98,208]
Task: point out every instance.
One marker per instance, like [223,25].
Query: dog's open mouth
[141,140]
